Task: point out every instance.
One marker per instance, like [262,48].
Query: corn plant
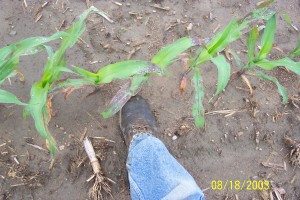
[39,106]
[232,32]
[261,61]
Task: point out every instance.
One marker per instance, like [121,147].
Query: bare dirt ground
[228,149]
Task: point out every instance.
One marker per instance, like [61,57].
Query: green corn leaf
[124,94]
[7,97]
[223,72]
[87,74]
[167,55]
[281,90]
[137,82]
[198,109]
[12,74]
[74,83]
[40,114]
[72,36]
[231,33]
[267,39]
[296,51]
[285,62]
[219,42]
[126,69]
[251,41]
[10,55]
[287,18]
[28,46]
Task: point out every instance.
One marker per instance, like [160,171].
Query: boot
[136,117]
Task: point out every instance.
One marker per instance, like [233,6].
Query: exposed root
[101,182]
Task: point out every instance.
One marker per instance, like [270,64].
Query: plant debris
[275,193]
[295,150]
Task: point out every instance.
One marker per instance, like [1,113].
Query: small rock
[174,137]
[62,147]
[13,33]
[240,134]
[128,4]
[106,46]
[189,27]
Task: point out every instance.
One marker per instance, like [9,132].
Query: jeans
[155,174]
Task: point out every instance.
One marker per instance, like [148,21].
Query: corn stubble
[101,183]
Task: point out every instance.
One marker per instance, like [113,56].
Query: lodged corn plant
[138,71]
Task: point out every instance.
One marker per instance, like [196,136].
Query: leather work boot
[136,117]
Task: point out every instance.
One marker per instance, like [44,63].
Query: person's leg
[152,171]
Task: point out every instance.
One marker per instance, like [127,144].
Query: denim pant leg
[155,174]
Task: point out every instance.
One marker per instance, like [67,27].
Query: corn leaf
[40,114]
[218,43]
[281,90]
[124,94]
[72,36]
[223,72]
[198,109]
[285,62]
[251,41]
[7,97]
[231,33]
[126,69]
[296,51]
[10,55]
[12,74]
[75,83]
[87,74]
[267,39]
[166,56]
[287,18]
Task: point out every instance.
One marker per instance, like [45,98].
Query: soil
[230,148]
